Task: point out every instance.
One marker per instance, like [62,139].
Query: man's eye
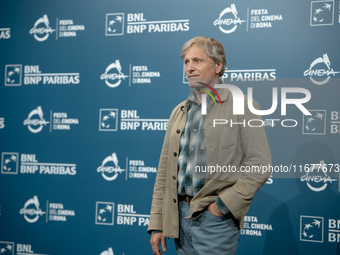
[198,60]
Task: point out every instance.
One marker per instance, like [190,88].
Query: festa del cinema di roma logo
[238,102]
[33,124]
[41,33]
[317,178]
[110,76]
[230,20]
[31,210]
[35,121]
[107,168]
[317,70]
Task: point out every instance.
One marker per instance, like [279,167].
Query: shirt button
[195,129]
[174,177]
[175,154]
[178,131]
[192,149]
[174,200]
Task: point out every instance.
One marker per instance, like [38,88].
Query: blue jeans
[206,235]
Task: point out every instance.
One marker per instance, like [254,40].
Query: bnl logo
[314,124]
[104,213]
[114,24]
[9,163]
[108,119]
[322,13]
[311,228]
[13,75]
[6,248]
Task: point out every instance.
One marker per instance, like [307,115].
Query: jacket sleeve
[160,183]
[256,155]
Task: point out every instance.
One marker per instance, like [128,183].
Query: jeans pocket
[214,217]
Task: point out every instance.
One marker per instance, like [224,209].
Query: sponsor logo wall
[86,94]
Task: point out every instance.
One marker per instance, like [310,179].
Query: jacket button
[174,200]
[175,154]
[174,177]
[178,131]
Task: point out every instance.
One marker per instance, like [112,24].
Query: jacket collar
[222,92]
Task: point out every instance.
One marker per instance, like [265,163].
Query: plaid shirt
[192,150]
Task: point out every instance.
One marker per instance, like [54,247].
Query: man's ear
[218,67]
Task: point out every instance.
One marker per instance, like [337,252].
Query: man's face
[200,67]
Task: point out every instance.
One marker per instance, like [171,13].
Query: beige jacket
[238,145]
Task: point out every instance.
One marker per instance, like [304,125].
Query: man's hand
[155,240]
[213,208]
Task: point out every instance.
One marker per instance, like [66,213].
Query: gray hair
[214,49]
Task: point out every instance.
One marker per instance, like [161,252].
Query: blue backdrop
[87,88]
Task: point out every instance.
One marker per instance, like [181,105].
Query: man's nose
[190,66]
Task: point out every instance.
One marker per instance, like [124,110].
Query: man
[203,210]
